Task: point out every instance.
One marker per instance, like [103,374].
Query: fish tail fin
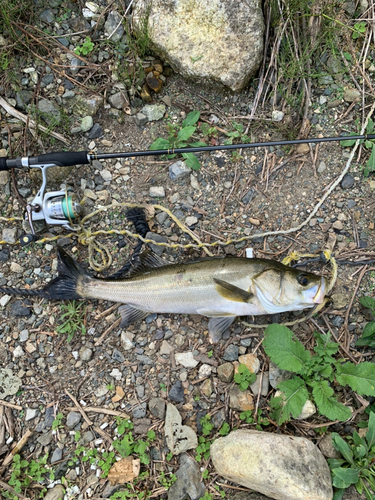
[65,285]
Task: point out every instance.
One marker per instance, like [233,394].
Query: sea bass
[220,288]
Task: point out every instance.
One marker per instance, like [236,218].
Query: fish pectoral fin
[232,292]
[130,314]
[217,326]
[145,262]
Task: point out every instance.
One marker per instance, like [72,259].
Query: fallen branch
[21,443]
[13,491]
[30,123]
[10,405]
[106,411]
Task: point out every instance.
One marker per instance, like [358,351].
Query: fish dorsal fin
[232,292]
[146,261]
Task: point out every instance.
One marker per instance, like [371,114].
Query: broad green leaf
[294,397]
[185,133]
[348,142]
[327,403]
[350,476]
[370,434]
[370,341]
[338,494]
[371,161]
[337,482]
[334,463]
[160,143]
[347,56]
[368,144]
[191,119]
[324,345]
[361,451]
[370,126]
[360,378]
[343,447]
[287,353]
[191,161]
[369,329]
[368,302]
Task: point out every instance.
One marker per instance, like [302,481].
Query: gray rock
[86,438]
[157,407]
[154,112]
[249,196]
[352,95]
[46,80]
[255,387]
[347,182]
[86,123]
[227,27]
[4,255]
[9,383]
[140,411]
[56,493]
[21,308]
[334,65]
[114,26]
[85,353]
[276,375]
[10,235]
[75,65]
[45,439]
[90,105]
[218,418]
[31,413]
[18,352]
[179,170]
[118,356]
[73,419]
[176,393]
[231,353]
[159,239]
[157,192]
[49,417]
[49,112]
[118,100]
[140,119]
[96,131]
[161,217]
[23,98]
[297,467]
[179,438]
[188,484]
[327,448]
[47,16]
[56,456]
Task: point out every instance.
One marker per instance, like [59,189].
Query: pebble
[18,352]
[157,192]
[56,493]
[179,170]
[176,392]
[166,348]
[9,383]
[347,182]
[139,411]
[250,361]
[225,372]
[31,413]
[106,175]
[231,353]
[45,439]
[10,235]
[85,353]
[73,419]
[189,481]
[185,359]
[153,112]
[56,456]
[277,116]
[127,340]
[240,400]
[157,407]
[191,221]
[86,123]
[194,182]
[96,131]
[255,386]
[118,356]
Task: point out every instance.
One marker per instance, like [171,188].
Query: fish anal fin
[145,262]
[232,292]
[130,314]
[217,326]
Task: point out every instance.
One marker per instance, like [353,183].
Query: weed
[77,436]
[207,425]
[85,48]
[24,472]
[225,429]
[248,418]
[210,354]
[73,319]
[316,372]
[163,387]
[368,334]
[57,423]
[357,465]
[169,456]
[203,449]
[165,481]
[205,474]
[237,135]
[178,138]
[244,378]
[359,30]
[369,145]
[110,387]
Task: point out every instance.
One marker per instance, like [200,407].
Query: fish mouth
[320,294]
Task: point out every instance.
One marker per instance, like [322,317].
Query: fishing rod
[62,207]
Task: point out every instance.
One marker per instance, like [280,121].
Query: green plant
[244,378]
[357,465]
[359,30]
[210,353]
[225,429]
[169,456]
[237,135]
[57,423]
[205,474]
[368,333]
[179,138]
[24,472]
[203,449]
[167,482]
[77,436]
[163,387]
[73,319]
[110,387]
[85,48]
[369,145]
[206,424]
[260,421]
[127,445]
[316,374]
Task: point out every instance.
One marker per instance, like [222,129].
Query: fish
[221,288]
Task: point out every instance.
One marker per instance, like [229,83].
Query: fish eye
[303,279]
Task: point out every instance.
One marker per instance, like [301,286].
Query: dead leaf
[119,394]
[124,471]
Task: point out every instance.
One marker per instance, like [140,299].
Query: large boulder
[216,41]
[281,467]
